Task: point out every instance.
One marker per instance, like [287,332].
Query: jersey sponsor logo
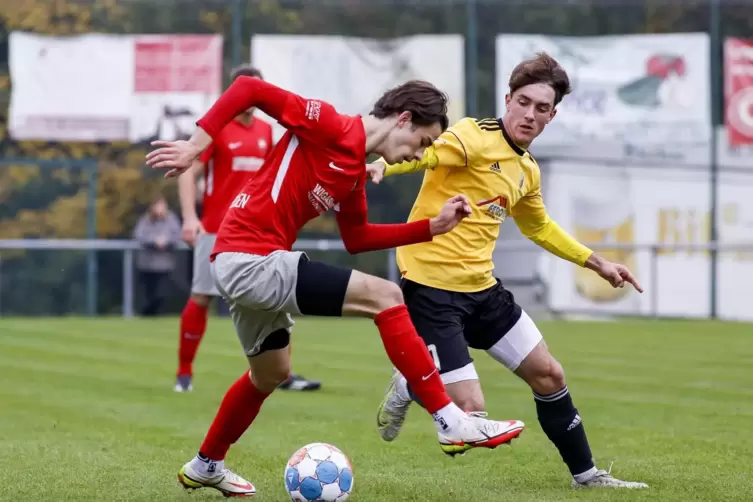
[249,164]
[240,201]
[495,168]
[495,208]
[321,199]
[235,145]
[313,109]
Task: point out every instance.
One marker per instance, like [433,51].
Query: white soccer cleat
[393,410]
[226,482]
[603,479]
[477,431]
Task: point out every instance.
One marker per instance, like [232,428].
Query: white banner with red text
[352,73]
[652,206]
[98,87]
[643,97]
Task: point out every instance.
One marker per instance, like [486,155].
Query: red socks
[238,410]
[409,354]
[193,324]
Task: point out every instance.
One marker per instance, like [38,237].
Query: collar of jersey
[509,140]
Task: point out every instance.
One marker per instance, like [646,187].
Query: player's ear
[508,98]
[551,115]
[404,118]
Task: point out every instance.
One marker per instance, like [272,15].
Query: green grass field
[87,412]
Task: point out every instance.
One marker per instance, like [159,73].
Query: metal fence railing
[128,248]
[669,274]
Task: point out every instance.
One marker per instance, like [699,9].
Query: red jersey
[318,165]
[236,153]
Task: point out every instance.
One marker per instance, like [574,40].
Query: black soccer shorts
[450,322]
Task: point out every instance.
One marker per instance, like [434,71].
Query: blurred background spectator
[158,231]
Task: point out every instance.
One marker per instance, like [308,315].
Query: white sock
[586,476]
[448,417]
[207,467]
[402,389]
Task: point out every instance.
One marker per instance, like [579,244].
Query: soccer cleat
[183,383]
[226,482]
[477,431]
[298,382]
[393,410]
[604,479]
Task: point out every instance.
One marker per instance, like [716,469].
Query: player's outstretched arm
[312,120]
[360,236]
[243,93]
[534,222]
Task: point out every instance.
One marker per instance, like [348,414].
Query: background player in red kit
[234,156]
[318,165]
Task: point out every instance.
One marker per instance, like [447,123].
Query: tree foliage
[52,200]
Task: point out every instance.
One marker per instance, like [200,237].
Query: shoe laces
[602,472]
[478,414]
[488,426]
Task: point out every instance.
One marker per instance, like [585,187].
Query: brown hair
[245,71]
[427,104]
[541,69]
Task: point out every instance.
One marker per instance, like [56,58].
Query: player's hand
[614,273]
[375,171]
[161,242]
[453,212]
[177,156]
[191,229]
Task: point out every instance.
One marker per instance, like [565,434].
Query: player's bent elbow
[354,246]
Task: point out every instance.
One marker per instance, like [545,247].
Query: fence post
[236,37]
[654,280]
[128,283]
[471,51]
[716,118]
[91,255]
[392,273]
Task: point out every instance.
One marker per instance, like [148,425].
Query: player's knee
[550,378]
[269,379]
[368,295]
[389,295]
[201,300]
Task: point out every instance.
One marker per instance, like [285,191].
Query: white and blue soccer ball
[319,472]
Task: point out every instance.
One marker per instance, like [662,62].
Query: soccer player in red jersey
[318,165]
[234,156]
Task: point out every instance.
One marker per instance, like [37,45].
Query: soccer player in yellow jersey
[454,299]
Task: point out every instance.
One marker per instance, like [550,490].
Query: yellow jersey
[477,158]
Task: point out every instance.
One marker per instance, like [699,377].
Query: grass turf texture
[87,412]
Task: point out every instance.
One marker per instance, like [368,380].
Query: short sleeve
[459,145]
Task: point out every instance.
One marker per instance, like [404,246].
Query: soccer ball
[319,472]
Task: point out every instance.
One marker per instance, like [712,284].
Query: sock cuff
[549,398]
[250,389]
[195,306]
[391,313]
